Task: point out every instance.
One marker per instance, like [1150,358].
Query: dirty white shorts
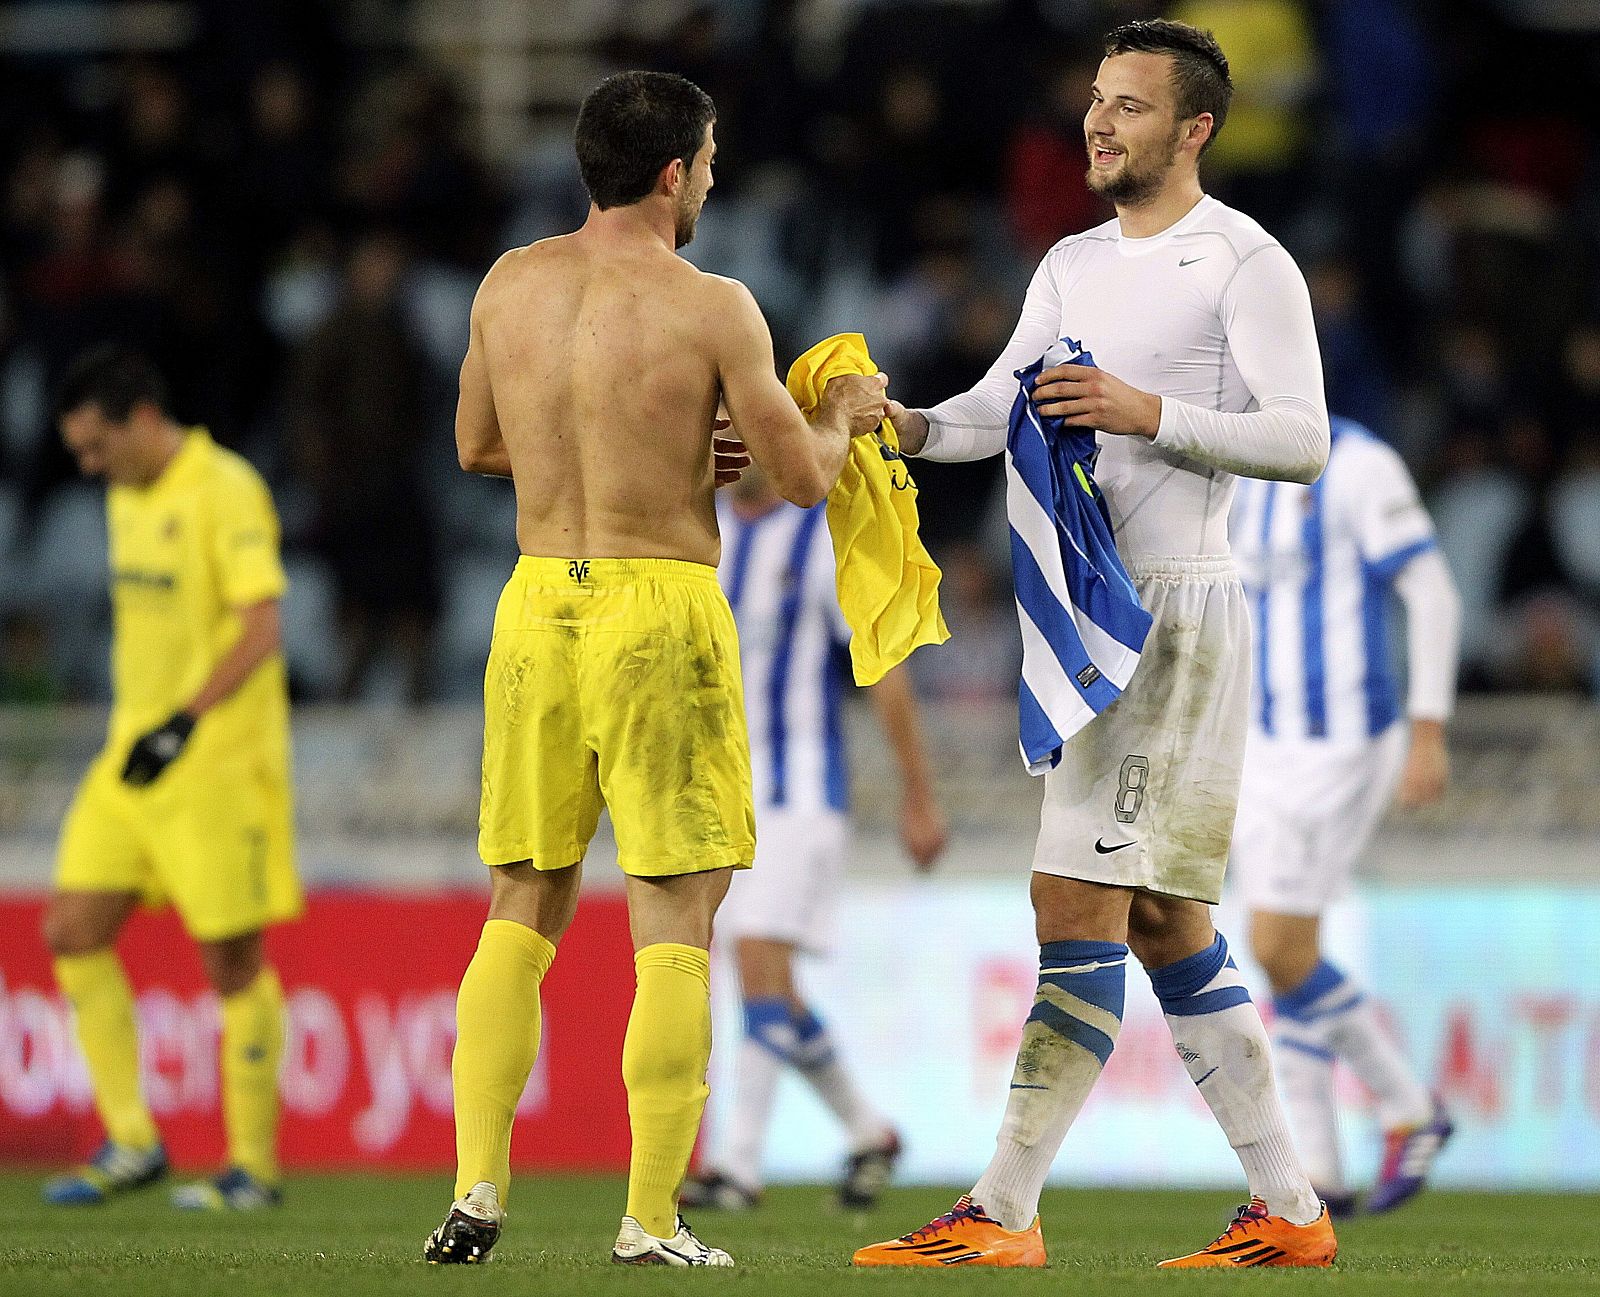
[1145,793]
[792,892]
[1307,810]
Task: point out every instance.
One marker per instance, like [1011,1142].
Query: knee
[1163,932]
[1284,957]
[231,966]
[766,969]
[1146,930]
[545,902]
[66,934]
[1068,909]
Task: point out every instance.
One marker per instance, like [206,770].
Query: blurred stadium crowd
[292,219]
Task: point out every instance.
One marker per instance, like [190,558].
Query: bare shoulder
[730,305]
[515,266]
[727,291]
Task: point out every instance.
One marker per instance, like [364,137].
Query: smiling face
[1136,141]
[692,190]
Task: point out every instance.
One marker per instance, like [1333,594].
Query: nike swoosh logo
[1191,261]
[1103,850]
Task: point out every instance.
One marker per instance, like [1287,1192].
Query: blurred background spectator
[360,412]
[289,206]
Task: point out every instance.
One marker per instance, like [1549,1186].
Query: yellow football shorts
[218,843]
[615,682]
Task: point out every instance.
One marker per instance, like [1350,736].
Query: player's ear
[1200,130]
[671,177]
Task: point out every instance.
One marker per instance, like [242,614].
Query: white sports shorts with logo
[791,893]
[1145,793]
[1307,810]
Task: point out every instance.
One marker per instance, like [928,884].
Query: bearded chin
[1130,187]
[683,229]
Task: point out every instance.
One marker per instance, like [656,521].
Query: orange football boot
[964,1235]
[1257,1238]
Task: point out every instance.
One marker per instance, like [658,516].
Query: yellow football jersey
[186,553]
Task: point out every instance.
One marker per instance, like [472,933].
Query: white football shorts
[1307,811]
[1145,793]
[791,893]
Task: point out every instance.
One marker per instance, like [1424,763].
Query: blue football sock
[1223,1044]
[1069,1034]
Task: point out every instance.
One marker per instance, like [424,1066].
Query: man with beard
[593,372]
[1202,326]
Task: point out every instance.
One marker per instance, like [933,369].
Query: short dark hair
[1199,67]
[633,124]
[114,377]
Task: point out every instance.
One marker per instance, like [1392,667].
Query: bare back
[601,364]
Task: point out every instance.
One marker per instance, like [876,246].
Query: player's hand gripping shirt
[186,553]
[1213,316]
[1082,622]
[888,585]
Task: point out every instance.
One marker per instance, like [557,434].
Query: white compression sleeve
[974,424]
[1266,312]
[1433,634]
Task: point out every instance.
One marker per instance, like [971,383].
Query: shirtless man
[592,379]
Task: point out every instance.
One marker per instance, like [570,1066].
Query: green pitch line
[349,1236]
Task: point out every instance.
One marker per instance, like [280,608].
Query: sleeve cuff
[1166,427]
[245,596]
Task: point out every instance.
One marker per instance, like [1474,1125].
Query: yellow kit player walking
[189,802]
[592,377]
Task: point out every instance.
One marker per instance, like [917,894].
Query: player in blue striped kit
[1329,749]
[778,573]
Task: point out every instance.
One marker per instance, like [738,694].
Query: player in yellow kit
[189,801]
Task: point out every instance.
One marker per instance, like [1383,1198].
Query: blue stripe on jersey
[743,543]
[1378,682]
[1032,721]
[835,777]
[1055,625]
[1311,626]
[1269,492]
[783,651]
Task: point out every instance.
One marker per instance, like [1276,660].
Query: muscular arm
[802,459]
[259,639]
[973,425]
[923,831]
[1266,312]
[479,445]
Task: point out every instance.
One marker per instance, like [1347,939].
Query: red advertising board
[370,980]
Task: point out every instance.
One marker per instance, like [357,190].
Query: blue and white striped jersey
[1319,564]
[778,573]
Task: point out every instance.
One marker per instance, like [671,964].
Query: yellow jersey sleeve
[245,539]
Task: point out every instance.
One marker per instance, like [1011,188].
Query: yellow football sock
[664,1057]
[102,1002]
[497,1041]
[252,1049]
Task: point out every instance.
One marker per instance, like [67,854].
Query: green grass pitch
[361,1236]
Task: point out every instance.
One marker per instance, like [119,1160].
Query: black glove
[157,750]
